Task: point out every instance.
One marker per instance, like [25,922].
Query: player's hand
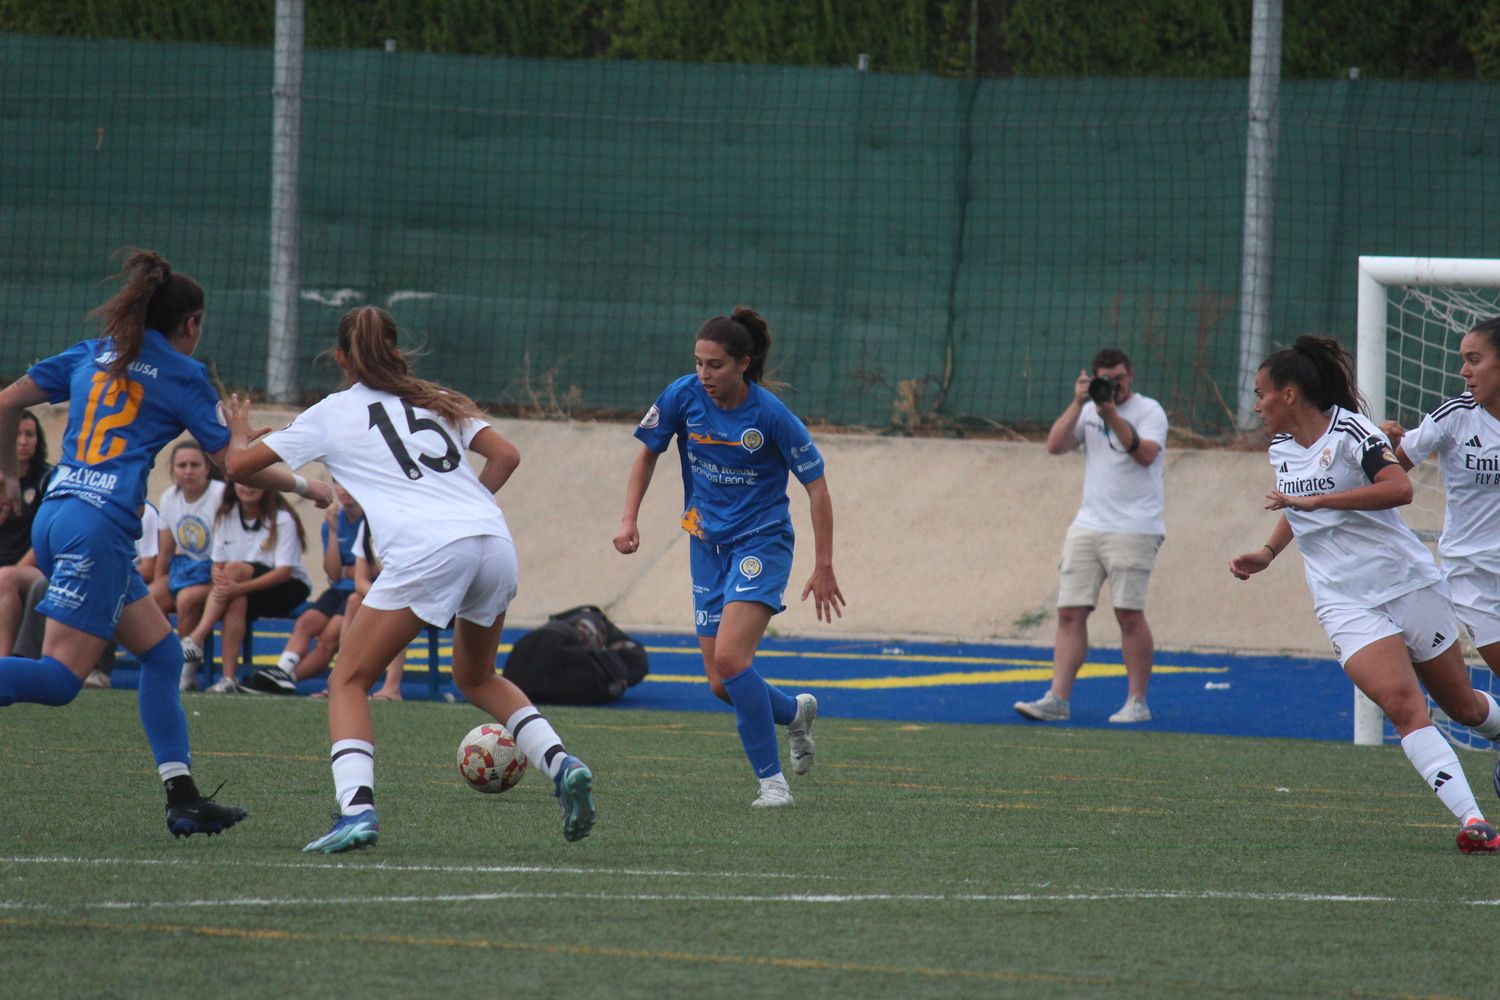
[1081,387]
[1244,565]
[628,538]
[1277,500]
[237,416]
[10,499]
[828,599]
[1394,431]
[321,494]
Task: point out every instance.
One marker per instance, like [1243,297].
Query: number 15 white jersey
[404,465]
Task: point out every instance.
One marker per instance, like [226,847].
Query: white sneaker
[97,679]
[774,793]
[1047,708]
[799,734]
[192,661]
[225,685]
[1134,710]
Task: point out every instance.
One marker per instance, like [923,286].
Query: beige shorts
[1091,557]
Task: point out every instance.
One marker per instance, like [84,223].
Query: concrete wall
[935,539]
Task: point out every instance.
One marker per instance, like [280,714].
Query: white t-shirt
[1119,493]
[149,544]
[404,465]
[1467,440]
[234,541]
[192,523]
[1353,558]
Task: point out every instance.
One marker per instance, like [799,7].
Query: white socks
[1490,727]
[1438,765]
[289,661]
[353,769]
[537,740]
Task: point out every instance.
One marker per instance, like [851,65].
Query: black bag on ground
[579,657]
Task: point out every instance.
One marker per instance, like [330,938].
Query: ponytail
[151,297]
[367,336]
[743,334]
[1321,369]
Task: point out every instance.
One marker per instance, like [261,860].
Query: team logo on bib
[652,417]
[752,439]
[1325,459]
[750,567]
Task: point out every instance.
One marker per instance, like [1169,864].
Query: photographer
[1115,534]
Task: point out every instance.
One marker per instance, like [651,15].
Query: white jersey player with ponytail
[397,443]
[1375,588]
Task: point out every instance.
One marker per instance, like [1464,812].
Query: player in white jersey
[396,443]
[1375,588]
[1465,434]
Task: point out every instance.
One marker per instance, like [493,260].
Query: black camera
[1102,390]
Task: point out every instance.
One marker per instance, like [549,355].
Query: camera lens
[1101,390]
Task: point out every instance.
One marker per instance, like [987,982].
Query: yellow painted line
[950,679]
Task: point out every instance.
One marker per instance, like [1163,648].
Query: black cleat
[203,816]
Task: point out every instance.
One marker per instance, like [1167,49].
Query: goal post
[1412,313]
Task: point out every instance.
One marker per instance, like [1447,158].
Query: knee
[1072,618]
[1131,622]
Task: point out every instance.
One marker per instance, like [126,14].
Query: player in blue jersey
[737,442]
[129,392]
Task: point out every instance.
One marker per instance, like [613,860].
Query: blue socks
[783,705]
[756,720]
[162,716]
[40,682]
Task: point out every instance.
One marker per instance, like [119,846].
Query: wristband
[1273,552]
[299,485]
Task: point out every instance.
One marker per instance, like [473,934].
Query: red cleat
[1478,837]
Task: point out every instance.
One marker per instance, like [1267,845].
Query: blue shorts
[185,571]
[755,568]
[89,562]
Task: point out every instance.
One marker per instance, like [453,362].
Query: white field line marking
[795,898]
[387,868]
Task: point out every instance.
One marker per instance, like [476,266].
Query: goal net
[1413,311]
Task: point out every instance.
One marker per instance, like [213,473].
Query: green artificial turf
[919,860]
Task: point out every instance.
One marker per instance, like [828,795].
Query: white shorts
[471,578]
[1423,618]
[1476,599]
[1090,556]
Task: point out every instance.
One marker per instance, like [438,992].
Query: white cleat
[799,734]
[774,793]
[1134,710]
[192,662]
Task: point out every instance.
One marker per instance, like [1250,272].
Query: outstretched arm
[254,464]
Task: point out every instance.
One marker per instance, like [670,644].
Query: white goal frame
[1376,276]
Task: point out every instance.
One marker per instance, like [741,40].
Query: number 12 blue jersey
[117,425]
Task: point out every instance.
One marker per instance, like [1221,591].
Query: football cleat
[224,685]
[204,816]
[1047,708]
[799,734]
[575,792]
[1478,837]
[349,833]
[774,793]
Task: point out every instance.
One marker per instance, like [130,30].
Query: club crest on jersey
[750,567]
[1325,459]
[652,417]
[752,439]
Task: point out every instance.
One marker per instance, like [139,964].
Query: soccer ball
[489,759]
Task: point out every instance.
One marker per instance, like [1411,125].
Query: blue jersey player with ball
[738,443]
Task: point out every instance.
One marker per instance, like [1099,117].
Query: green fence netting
[929,252]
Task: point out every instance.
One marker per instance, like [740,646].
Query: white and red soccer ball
[489,759]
